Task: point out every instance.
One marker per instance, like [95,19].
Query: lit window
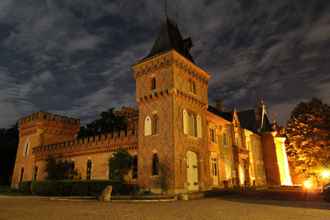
[214,166]
[192,86]
[26,150]
[153,84]
[147,126]
[199,126]
[192,124]
[89,170]
[155,165]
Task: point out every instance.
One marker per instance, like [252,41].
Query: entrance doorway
[214,170]
[192,171]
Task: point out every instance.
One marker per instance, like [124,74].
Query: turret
[39,129]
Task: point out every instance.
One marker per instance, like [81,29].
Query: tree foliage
[119,165]
[60,169]
[8,148]
[308,132]
[108,122]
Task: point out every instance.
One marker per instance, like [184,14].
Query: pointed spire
[170,38]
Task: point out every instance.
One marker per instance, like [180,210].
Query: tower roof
[170,38]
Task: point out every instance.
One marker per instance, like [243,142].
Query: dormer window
[153,83]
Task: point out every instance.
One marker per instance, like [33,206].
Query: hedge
[25,187]
[80,188]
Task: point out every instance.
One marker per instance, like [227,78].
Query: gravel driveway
[33,208]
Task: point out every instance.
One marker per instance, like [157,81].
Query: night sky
[74,57]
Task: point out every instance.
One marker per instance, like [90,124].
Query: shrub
[25,187]
[327,195]
[80,188]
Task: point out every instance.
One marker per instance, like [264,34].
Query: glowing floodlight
[325,174]
[308,184]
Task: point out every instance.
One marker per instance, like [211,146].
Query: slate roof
[226,115]
[247,119]
[169,38]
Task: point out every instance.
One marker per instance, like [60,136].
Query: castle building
[174,133]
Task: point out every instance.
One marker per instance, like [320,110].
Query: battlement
[45,116]
[104,142]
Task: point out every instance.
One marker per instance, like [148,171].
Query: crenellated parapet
[45,116]
[94,144]
[52,128]
[168,59]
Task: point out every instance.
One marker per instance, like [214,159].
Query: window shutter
[147,126]
[185,122]
[199,126]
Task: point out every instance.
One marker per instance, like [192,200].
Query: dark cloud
[73,57]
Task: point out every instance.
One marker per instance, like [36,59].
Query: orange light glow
[325,174]
[308,184]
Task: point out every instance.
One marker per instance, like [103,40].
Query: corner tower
[38,129]
[172,97]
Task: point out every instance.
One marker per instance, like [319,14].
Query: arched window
[192,124]
[35,173]
[155,124]
[199,126]
[185,122]
[192,86]
[147,126]
[22,175]
[135,167]
[26,149]
[155,165]
[153,83]
[89,170]
[224,139]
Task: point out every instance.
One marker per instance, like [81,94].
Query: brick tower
[38,129]
[172,97]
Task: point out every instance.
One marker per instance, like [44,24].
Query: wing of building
[173,129]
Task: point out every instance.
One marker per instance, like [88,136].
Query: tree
[120,165]
[108,122]
[308,132]
[8,148]
[60,169]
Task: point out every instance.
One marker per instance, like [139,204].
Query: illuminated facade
[174,134]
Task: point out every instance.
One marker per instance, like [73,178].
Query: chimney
[219,105]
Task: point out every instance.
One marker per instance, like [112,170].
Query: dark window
[35,173]
[89,170]
[155,124]
[22,175]
[155,165]
[153,84]
[135,167]
[213,135]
